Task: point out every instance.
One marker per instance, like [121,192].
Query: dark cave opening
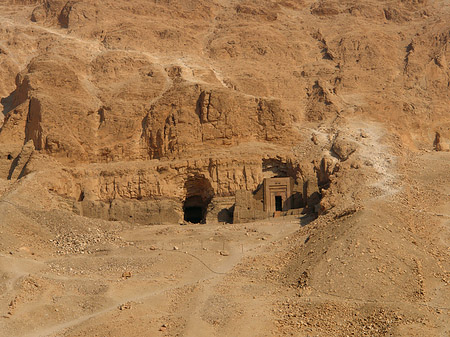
[194,209]
[193,214]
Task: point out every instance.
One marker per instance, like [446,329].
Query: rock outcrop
[136,107]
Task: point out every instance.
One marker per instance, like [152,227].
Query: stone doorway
[278,203]
[277,194]
[194,209]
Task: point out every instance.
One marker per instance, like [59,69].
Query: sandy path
[206,273]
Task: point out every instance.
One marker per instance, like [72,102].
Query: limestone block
[343,147]
[247,208]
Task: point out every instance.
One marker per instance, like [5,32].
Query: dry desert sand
[117,115]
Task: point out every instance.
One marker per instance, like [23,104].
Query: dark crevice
[8,103]
[13,167]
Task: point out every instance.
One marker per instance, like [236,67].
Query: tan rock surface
[116,112]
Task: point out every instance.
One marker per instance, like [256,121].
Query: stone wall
[221,210]
[148,212]
[248,207]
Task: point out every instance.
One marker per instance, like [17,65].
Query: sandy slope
[382,270]
[88,84]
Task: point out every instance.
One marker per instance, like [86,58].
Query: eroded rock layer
[138,100]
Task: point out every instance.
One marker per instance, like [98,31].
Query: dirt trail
[196,324]
[205,273]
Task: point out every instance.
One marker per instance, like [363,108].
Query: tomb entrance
[277,194]
[199,193]
[195,209]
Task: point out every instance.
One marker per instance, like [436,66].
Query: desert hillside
[139,139]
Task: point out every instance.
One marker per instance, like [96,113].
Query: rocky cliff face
[164,111]
[168,91]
